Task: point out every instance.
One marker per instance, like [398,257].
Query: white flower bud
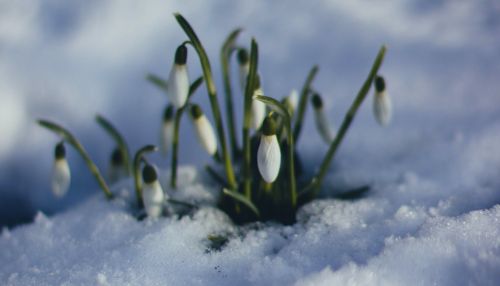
[61,175]
[291,101]
[382,105]
[269,154]
[244,67]
[152,192]
[178,80]
[322,123]
[258,111]
[117,170]
[204,130]
[167,130]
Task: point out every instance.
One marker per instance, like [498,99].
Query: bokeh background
[69,60]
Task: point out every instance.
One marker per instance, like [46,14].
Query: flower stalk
[175,139]
[119,140]
[212,93]
[304,95]
[225,56]
[318,178]
[247,116]
[68,137]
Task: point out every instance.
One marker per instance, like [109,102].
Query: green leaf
[242,199]
[67,136]
[194,86]
[274,105]
[157,81]
[118,138]
[349,117]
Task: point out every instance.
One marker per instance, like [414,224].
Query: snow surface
[430,218]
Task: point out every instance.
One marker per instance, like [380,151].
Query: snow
[431,216]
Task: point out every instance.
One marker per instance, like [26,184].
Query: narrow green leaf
[194,86]
[247,117]
[225,56]
[68,137]
[212,93]
[157,81]
[304,99]
[318,179]
[242,199]
[119,140]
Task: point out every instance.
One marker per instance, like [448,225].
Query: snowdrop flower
[204,130]
[382,105]
[167,129]
[258,107]
[244,67]
[61,175]
[117,170]
[178,80]
[291,101]
[321,121]
[269,154]
[152,193]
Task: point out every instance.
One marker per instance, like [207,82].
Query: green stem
[67,136]
[175,141]
[225,55]
[304,95]
[137,171]
[212,93]
[249,90]
[175,147]
[119,140]
[318,179]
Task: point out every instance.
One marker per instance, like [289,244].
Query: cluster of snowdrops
[270,183]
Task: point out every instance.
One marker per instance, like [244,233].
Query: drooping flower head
[244,67]
[269,154]
[382,105]
[117,169]
[61,174]
[178,80]
[152,192]
[204,130]
[321,120]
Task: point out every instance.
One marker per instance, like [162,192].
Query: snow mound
[371,241]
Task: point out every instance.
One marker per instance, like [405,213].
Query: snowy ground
[431,217]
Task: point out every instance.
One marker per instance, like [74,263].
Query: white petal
[153,198]
[258,113]
[166,136]
[269,158]
[293,98]
[382,108]
[178,85]
[244,70]
[323,126]
[61,177]
[206,134]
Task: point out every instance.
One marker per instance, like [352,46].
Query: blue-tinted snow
[430,218]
